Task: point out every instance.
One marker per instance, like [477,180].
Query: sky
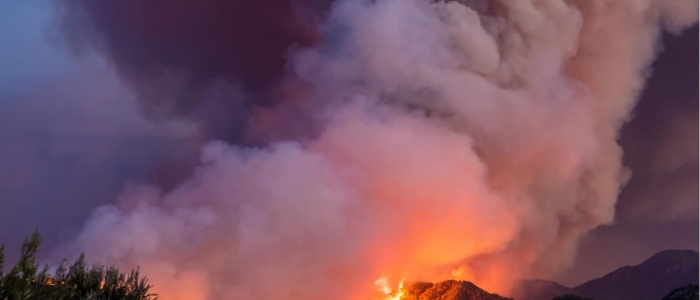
[71,135]
[73,138]
[658,209]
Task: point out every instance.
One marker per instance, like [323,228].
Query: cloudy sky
[73,137]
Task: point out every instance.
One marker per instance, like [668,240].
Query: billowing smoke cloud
[468,139]
[657,209]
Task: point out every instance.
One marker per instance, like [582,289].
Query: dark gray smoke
[182,56]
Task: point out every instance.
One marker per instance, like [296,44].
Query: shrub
[25,281]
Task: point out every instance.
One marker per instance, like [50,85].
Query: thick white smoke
[474,139]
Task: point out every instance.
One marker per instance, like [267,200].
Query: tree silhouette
[77,282]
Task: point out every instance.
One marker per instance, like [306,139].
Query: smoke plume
[467,139]
[179,56]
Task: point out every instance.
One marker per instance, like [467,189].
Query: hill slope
[689,292]
[540,290]
[651,280]
[447,290]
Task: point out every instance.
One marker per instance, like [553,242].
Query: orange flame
[383,285]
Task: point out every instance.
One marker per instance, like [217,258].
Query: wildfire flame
[383,285]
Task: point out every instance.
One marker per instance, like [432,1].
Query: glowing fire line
[383,284]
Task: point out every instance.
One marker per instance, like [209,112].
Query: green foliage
[25,281]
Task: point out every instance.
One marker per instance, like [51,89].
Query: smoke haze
[69,133]
[396,138]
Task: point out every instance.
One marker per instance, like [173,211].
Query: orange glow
[390,294]
[433,216]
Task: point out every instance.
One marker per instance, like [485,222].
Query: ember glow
[473,140]
[391,294]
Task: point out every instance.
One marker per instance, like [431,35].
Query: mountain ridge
[662,275]
[651,279]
